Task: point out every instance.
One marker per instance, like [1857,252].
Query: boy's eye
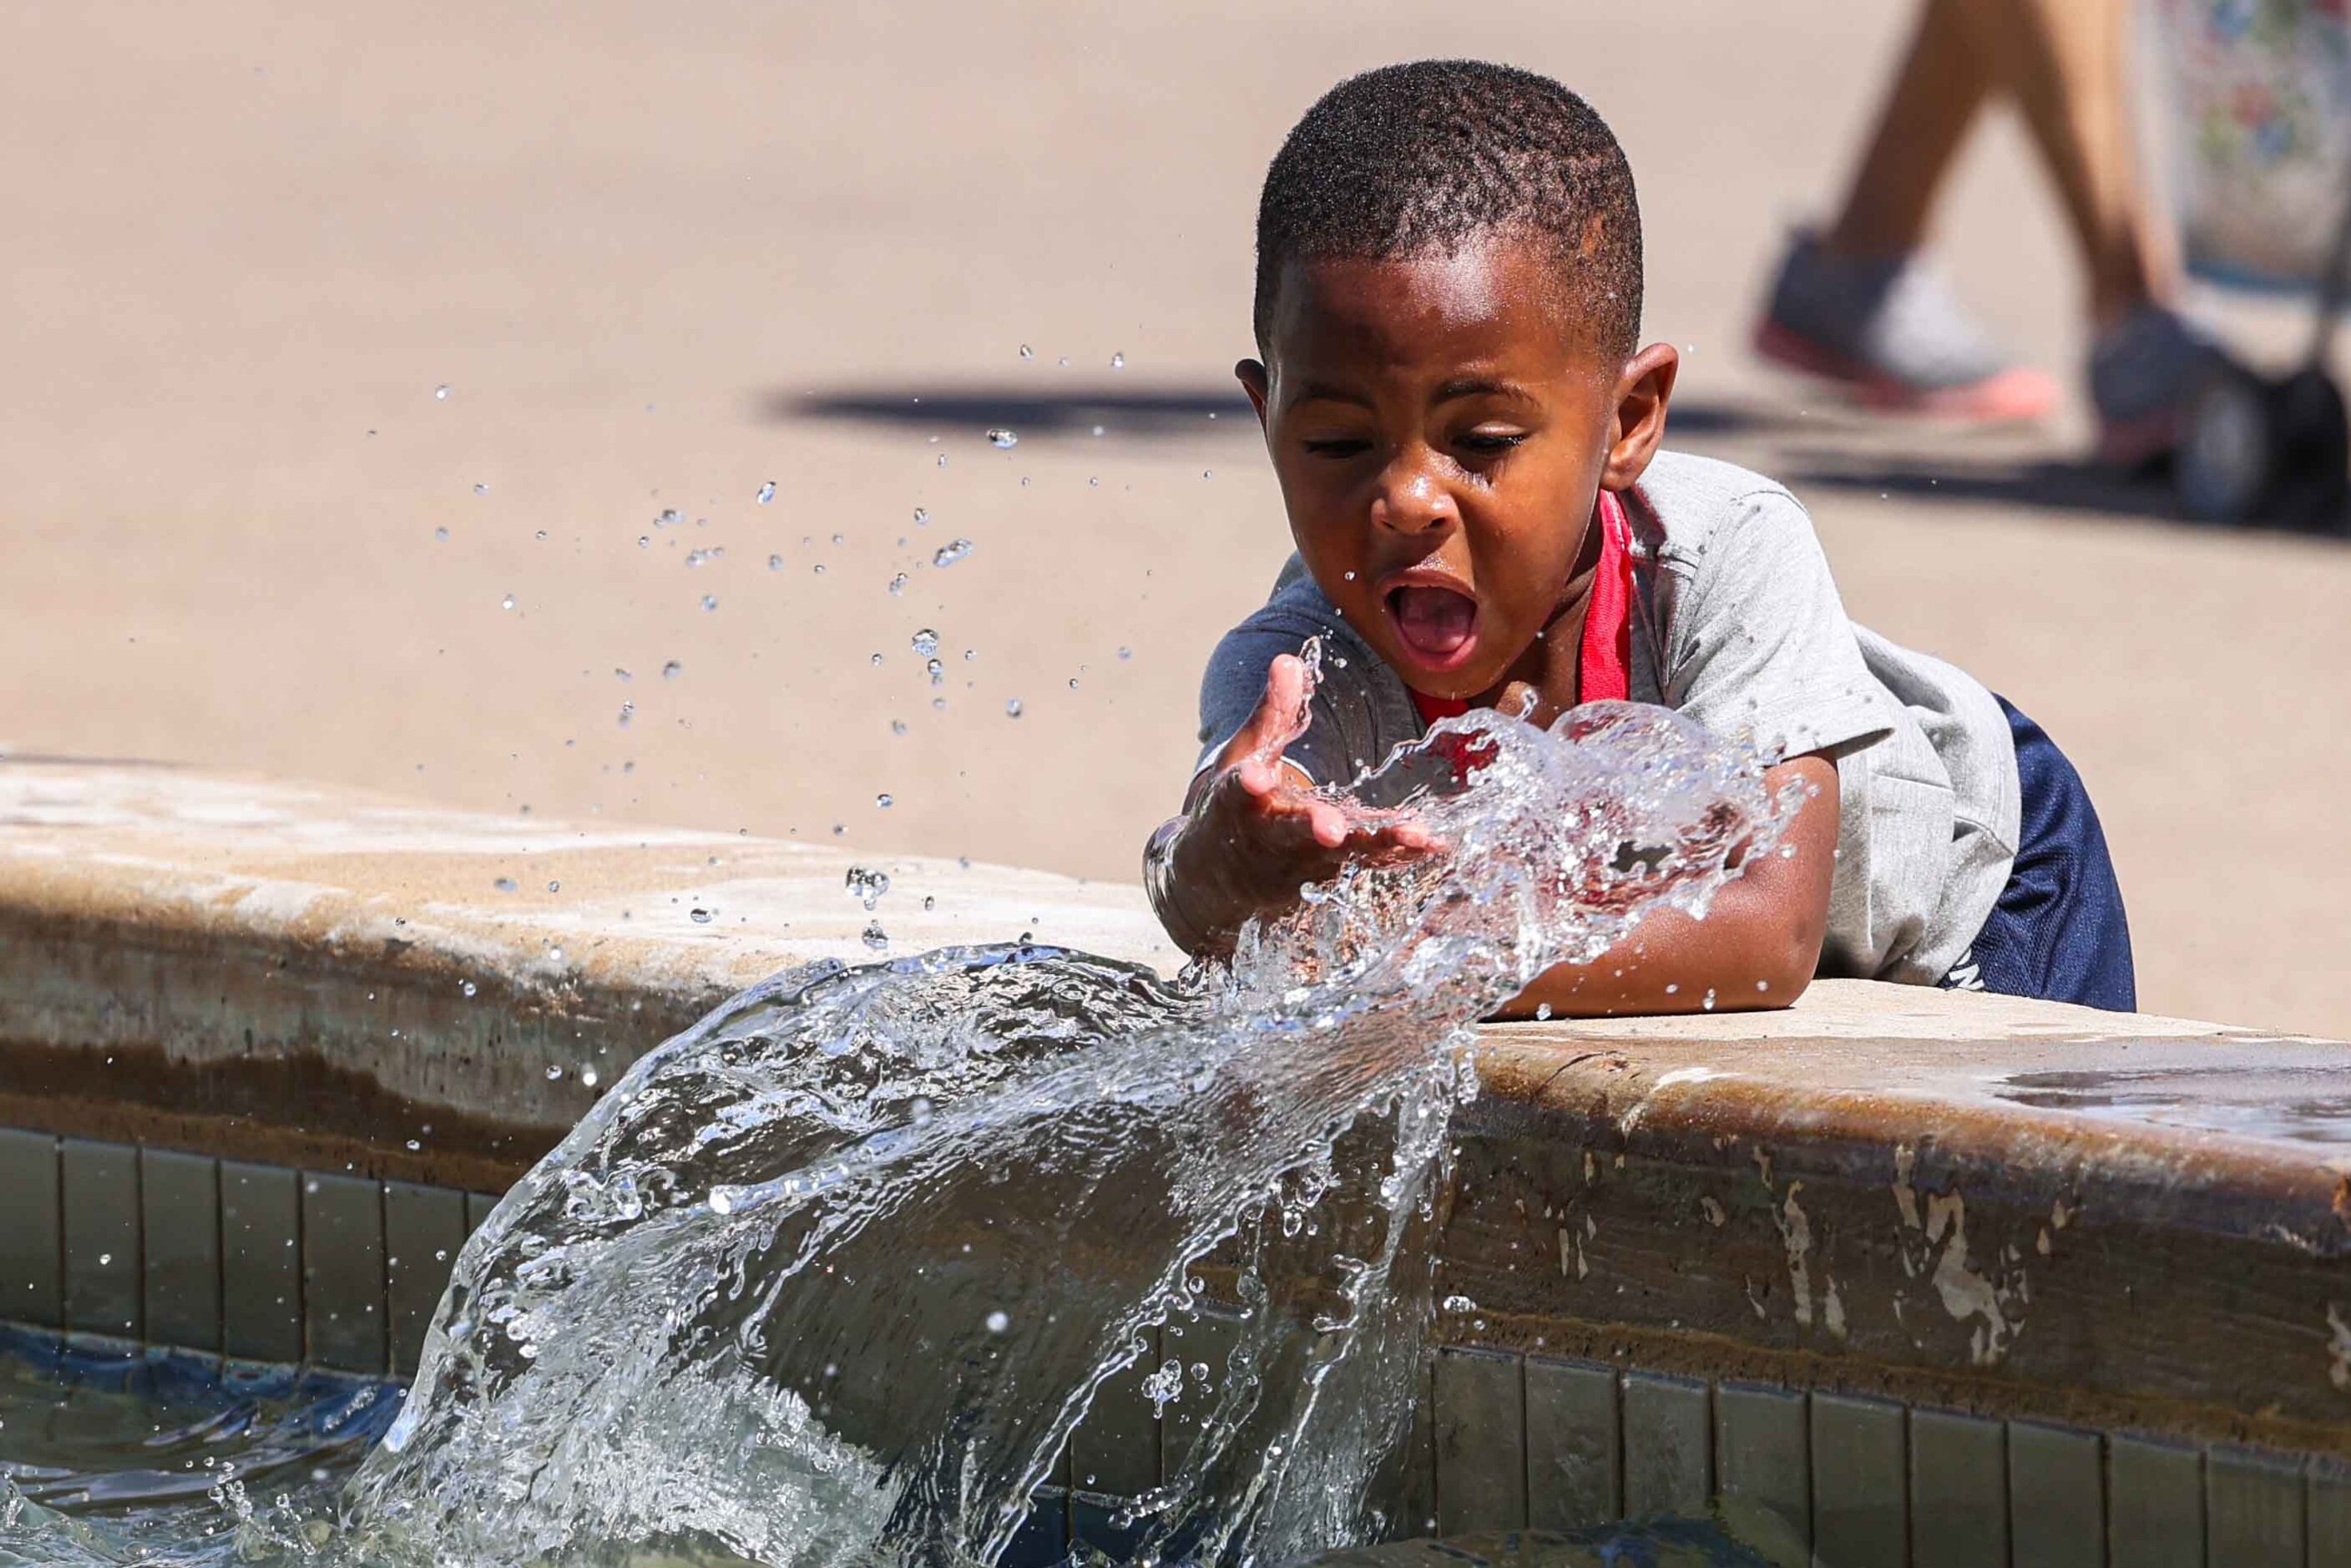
[1335,446]
[1487,443]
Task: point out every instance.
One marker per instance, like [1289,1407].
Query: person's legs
[2058,932]
[1853,304]
[2063,63]
[1940,86]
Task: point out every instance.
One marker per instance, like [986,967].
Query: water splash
[831,1277]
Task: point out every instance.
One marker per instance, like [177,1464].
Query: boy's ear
[1252,377]
[1643,390]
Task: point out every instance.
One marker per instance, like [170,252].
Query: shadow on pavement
[1153,412]
[2048,485]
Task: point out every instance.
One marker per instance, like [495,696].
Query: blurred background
[354,357]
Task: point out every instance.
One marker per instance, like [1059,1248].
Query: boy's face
[1441,424]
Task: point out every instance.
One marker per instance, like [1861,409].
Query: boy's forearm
[1757,948]
[1735,960]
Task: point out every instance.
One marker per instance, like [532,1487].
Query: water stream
[831,1276]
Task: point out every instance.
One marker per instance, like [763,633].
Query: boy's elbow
[1793,960]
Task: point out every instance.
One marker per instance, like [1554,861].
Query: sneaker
[1890,332]
[2143,370]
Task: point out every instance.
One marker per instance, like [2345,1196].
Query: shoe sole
[2019,395]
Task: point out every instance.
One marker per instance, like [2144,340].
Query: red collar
[1604,661]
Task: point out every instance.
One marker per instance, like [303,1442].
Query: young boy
[1448,301]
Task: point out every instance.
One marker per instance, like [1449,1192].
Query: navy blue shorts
[2058,931]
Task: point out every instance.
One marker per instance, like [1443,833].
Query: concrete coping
[580,947]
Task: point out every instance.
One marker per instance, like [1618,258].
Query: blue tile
[342,1272]
[32,1249]
[100,1187]
[179,1226]
[261,1262]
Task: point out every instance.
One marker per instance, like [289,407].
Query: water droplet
[875,660]
[506,884]
[922,516]
[970,654]
[480,488]
[819,569]
[588,1077]
[468,987]
[898,584]
[866,885]
[440,534]
[943,459]
[555,886]
[883,802]
[897,727]
[628,710]
[507,602]
[1208,472]
[644,541]
[710,601]
[840,539]
[774,564]
[767,493]
[997,1322]
[672,669]
[1093,482]
[925,642]
[442,393]
[873,935]
[1026,353]
[1098,430]
[1012,708]
[1706,1001]
[699,917]
[929,904]
[951,552]
[1118,361]
[104,1259]
[1073,682]
[553,1073]
[1003,439]
[1126,652]
[938,674]
[540,534]
[669,517]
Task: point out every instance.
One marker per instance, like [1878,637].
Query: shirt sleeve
[1762,651]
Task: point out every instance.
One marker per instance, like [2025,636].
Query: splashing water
[831,1276]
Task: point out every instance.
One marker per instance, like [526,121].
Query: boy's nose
[1411,501]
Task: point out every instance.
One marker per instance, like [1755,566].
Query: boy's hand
[1254,830]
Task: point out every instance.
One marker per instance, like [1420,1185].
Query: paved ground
[660,258]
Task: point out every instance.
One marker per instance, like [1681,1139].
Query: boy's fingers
[1277,719]
[1521,699]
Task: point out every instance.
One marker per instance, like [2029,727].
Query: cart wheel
[2228,459]
[2314,452]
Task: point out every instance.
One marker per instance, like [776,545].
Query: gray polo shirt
[1736,622]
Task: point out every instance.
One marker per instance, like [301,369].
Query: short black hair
[1431,154]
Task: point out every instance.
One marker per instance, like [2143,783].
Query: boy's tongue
[1433,621]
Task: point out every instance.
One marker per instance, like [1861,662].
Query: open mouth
[1436,624]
